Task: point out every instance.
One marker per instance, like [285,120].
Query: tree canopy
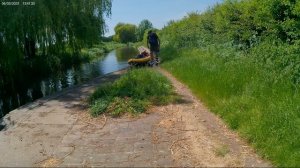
[141,29]
[125,33]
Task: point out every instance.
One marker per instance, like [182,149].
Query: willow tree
[48,28]
[40,36]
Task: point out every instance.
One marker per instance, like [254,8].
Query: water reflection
[123,54]
[31,89]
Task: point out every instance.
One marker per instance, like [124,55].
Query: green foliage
[107,39]
[132,93]
[109,46]
[125,33]
[191,31]
[262,106]
[143,84]
[145,37]
[47,36]
[143,26]
[251,26]
[105,90]
[99,107]
[120,106]
[100,49]
[242,58]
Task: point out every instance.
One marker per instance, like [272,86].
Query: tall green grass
[263,107]
[242,59]
[133,93]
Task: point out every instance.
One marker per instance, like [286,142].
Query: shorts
[154,49]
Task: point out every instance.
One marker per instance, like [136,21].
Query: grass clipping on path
[133,93]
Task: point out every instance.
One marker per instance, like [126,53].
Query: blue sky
[159,12]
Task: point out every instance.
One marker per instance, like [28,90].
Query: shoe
[157,60]
[151,63]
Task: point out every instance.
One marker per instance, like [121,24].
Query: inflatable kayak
[139,60]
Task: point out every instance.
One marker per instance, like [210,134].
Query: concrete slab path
[57,131]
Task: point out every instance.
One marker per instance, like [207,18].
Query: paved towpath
[57,131]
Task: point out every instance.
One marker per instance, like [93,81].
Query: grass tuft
[133,93]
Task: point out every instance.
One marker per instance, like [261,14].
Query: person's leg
[156,56]
[152,55]
[152,49]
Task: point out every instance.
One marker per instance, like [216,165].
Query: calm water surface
[31,90]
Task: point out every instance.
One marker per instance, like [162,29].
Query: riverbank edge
[39,73]
[12,118]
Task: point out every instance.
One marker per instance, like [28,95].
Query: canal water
[32,90]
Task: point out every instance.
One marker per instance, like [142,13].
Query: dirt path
[58,131]
[203,138]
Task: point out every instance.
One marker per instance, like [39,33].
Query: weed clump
[133,93]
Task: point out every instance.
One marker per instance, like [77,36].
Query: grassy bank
[133,93]
[251,99]
[100,49]
[242,59]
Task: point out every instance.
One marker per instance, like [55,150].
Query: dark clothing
[153,41]
[154,48]
[140,56]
